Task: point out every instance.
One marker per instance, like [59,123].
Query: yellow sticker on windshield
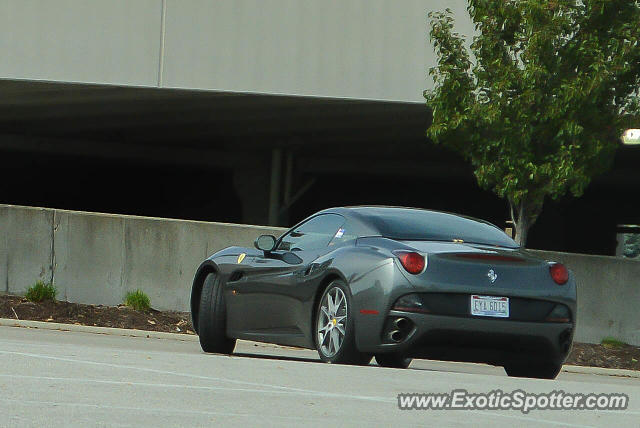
[241,257]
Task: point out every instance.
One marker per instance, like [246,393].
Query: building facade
[253,111]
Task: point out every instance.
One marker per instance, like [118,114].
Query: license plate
[490,306]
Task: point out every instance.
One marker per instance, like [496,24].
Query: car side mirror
[265,242]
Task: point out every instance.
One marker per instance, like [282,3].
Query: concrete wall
[608,295]
[364,49]
[97,258]
[26,242]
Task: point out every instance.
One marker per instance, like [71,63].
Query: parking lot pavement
[68,379]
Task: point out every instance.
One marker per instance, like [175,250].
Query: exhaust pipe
[396,335]
[401,323]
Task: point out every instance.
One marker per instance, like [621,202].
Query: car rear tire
[212,318]
[395,361]
[533,370]
[334,327]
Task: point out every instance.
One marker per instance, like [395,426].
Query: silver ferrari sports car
[394,283]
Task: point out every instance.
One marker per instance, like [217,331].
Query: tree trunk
[524,215]
[522,227]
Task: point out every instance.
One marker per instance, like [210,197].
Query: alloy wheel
[332,321]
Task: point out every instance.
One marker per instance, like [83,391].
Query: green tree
[540,100]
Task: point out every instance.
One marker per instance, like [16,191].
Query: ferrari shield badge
[241,257]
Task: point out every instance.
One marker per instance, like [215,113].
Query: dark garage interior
[262,159]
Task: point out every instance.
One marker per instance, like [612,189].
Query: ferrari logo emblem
[492,275]
[241,257]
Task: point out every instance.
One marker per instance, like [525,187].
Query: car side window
[344,234]
[313,234]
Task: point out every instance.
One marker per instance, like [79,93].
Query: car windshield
[422,225]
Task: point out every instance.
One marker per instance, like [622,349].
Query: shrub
[612,342]
[138,300]
[41,291]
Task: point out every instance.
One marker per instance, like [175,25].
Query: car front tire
[335,327]
[212,318]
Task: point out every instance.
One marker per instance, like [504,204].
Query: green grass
[138,300]
[41,291]
[612,342]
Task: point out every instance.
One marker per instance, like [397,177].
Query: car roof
[365,211]
[387,221]
[364,216]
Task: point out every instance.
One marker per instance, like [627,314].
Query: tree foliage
[539,101]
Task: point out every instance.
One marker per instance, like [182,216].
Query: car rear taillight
[559,273]
[412,262]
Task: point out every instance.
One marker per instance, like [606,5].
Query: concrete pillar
[260,188]
[252,184]
[274,189]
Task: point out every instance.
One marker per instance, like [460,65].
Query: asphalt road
[65,379]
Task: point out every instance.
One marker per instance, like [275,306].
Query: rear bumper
[477,339]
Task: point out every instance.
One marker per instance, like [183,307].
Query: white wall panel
[105,41]
[367,49]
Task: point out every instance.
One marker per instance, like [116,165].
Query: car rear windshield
[422,225]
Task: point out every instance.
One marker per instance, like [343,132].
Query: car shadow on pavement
[413,367]
[275,357]
[317,360]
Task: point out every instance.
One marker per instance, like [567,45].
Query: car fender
[375,282]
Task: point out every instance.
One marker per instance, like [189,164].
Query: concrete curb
[8,322]
[601,371]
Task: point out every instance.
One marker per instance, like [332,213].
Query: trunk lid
[474,268]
